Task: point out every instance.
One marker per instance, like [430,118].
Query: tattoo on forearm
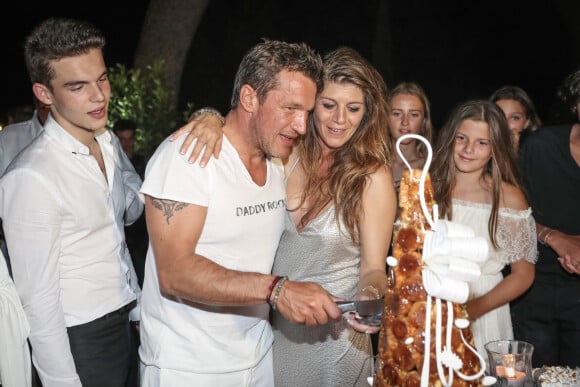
[169,207]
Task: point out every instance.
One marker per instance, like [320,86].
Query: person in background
[214,232]
[341,209]
[521,115]
[136,233]
[410,114]
[474,178]
[63,202]
[548,314]
[15,137]
[126,130]
[519,110]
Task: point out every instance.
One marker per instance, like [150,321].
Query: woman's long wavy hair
[366,151]
[501,167]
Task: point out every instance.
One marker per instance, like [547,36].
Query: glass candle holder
[511,360]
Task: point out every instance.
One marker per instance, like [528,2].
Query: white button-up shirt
[64,227]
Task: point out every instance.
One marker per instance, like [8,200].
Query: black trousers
[548,316]
[104,349]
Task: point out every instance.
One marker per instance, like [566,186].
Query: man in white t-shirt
[214,232]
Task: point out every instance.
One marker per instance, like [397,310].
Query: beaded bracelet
[278,290]
[209,110]
[271,287]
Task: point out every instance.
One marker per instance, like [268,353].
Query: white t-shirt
[242,230]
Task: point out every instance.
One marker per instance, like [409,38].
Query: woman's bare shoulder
[513,197]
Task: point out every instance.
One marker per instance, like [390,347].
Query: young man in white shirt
[64,201]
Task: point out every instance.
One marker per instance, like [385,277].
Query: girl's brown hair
[501,167]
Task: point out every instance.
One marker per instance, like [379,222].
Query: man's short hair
[263,62]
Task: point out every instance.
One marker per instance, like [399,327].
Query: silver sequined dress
[333,354]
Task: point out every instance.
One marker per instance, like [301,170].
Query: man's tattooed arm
[169,207]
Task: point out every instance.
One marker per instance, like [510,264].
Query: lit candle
[514,378]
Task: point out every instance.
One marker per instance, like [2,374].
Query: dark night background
[455,49]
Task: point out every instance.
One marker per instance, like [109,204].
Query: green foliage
[142,96]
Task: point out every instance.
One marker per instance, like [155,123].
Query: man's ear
[42,93]
[248,98]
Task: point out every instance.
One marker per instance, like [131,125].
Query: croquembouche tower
[425,339]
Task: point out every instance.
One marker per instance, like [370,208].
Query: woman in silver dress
[341,207]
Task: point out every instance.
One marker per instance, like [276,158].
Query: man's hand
[569,264]
[568,249]
[207,128]
[307,303]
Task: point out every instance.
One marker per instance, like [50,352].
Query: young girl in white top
[474,176]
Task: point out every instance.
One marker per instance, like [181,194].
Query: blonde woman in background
[410,114]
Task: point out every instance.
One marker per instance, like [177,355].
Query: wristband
[541,234]
[545,242]
[209,110]
[278,290]
[271,287]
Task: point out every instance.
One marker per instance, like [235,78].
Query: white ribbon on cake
[451,255]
